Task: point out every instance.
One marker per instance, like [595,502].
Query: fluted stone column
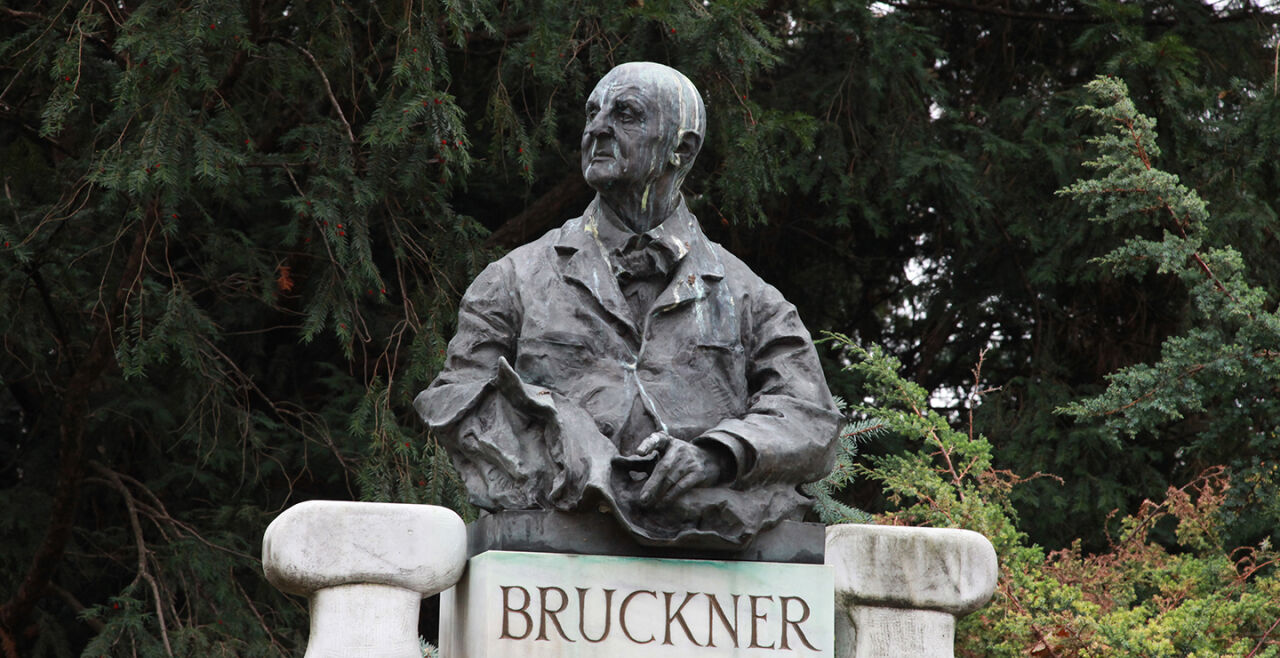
[365,568]
[899,591]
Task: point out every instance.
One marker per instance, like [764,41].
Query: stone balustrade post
[899,591]
[365,568]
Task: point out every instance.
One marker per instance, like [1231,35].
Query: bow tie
[642,257]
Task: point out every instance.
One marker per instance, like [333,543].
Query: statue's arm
[466,406]
[488,330]
[789,431]
[515,445]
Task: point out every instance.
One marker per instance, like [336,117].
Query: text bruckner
[645,616]
[536,604]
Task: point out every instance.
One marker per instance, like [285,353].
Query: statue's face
[628,136]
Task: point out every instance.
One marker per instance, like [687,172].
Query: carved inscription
[644,616]
[545,605]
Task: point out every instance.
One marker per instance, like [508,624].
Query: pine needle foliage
[1225,364]
[1140,596]
[853,434]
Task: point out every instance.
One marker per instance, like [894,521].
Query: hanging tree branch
[328,88]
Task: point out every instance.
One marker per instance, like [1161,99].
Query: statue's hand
[681,467]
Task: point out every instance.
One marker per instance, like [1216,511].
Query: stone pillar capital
[899,590]
[365,568]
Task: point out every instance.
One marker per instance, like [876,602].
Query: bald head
[645,124]
[673,94]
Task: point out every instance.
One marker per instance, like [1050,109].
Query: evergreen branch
[28,15]
[328,88]
[542,214]
[48,23]
[1005,585]
[118,21]
[1044,17]
[1005,12]
[75,604]
[1184,375]
[872,430]
[1123,113]
[157,512]
[1262,641]
[1179,223]
[976,393]
[1145,396]
[943,449]
[72,425]
[262,622]
[140,543]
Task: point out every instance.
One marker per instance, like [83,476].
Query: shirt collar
[675,234]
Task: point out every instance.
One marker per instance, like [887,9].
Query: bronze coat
[720,357]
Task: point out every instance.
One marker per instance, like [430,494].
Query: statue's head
[645,125]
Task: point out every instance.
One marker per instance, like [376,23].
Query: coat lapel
[697,272]
[582,262]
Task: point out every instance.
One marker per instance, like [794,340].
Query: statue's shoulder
[541,250]
[748,288]
[735,270]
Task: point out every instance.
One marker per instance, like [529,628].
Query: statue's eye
[628,113]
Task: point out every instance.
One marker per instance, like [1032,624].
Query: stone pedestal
[900,590]
[365,568]
[884,592]
[524,605]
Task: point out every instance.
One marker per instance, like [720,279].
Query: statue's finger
[655,441]
[647,491]
[684,484]
[659,481]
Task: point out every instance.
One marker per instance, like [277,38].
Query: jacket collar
[585,244]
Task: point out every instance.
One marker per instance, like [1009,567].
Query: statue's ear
[688,146]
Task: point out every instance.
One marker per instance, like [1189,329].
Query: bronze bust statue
[625,362]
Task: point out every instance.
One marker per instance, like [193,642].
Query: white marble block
[365,568]
[525,605]
[899,590]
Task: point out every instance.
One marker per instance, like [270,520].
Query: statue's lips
[600,156]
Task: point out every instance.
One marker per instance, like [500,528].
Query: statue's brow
[630,103]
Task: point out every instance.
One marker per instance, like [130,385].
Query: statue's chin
[599,177]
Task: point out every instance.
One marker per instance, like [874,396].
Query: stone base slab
[527,605]
[597,533]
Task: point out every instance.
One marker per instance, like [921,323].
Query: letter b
[522,611]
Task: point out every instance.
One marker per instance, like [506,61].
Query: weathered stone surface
[895,633]
[524,605]
[899,590]
[923,568]
[596,533]
[325,543]
[364,621]
[365,568]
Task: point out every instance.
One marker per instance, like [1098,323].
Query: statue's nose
[599,126]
